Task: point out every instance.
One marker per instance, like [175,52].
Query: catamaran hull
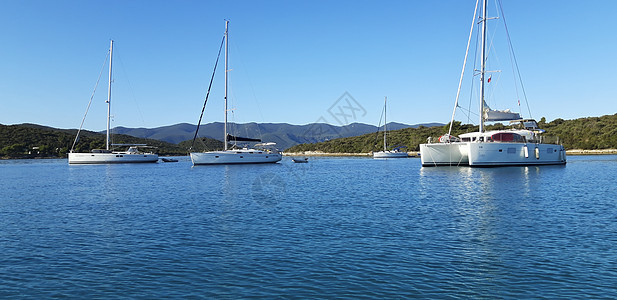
[491,154]
[444,154]
[111,158]
[234,157]
[515,154]
[390,154]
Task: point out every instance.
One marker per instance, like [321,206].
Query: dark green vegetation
[202,144]
[31,141]
[584,133]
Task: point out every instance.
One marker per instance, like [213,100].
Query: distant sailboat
[260,153]
[522,145]
[107,155]
[394,153]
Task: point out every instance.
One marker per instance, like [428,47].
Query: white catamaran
[107,155]
[259,153]
[394,153]
[521,145]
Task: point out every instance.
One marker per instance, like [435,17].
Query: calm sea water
[335,227]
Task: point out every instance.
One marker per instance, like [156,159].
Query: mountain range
[283,134]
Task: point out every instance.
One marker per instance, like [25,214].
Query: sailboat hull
[112,158]
[390,154]
[244,156]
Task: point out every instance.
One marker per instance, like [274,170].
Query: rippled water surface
[335,227]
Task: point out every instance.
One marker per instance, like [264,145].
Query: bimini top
[529,124]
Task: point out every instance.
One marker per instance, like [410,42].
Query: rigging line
[475,62]
[380,118]
[518,71]
[511,52]
[119,57]
[492,51]
[232,123]
[207,94]
[458,92]
[468,113]
[515,85]
[250,83]
[90,102]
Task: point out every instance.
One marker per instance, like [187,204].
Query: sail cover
[241,139]
[499,115]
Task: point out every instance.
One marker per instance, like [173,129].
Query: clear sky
[291,60]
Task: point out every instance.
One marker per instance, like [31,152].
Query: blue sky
[291,60]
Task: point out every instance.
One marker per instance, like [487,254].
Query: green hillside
[202,144]
[30,141]
[584,133]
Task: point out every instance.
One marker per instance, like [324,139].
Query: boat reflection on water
[479,202]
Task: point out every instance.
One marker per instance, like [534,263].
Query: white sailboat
[394,153]
[259,153]
[520,146]
[107,155]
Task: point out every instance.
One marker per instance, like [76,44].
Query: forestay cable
[89,103]
[207,94]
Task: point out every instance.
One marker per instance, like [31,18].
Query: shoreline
[417,153]
[591,152]
[573,152]
[320,153]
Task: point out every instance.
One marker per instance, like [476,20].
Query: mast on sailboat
[111,49]
[226,71]
[483,65]
[385,123]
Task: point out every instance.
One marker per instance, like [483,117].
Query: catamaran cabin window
[508,137]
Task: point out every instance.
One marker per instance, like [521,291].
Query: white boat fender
[526,151]
[537,153]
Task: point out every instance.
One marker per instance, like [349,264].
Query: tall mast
[226,71]
[385,123]
[111,49]
[482,66]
